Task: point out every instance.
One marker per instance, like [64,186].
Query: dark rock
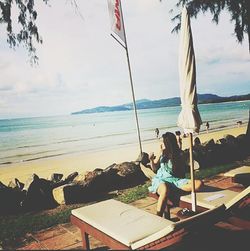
[221,141]
[143,158]
[230,138]
[109,168]
[71,177]
[101,181]
[56,177]
[19,184]
[244,145]
[126,168]
[209,143]
[38,194]
[75,193]
[2,186]
[11,199]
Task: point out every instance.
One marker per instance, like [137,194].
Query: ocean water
[26,139]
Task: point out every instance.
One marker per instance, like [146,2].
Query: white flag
[116,18]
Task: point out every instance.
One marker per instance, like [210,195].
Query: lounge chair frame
[182,230]
[86,230]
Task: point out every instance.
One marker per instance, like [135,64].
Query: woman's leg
[188,187]
[162,191]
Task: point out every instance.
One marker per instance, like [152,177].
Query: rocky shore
[39,193]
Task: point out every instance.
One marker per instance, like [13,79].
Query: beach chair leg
[85,241]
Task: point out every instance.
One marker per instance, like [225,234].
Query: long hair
[172,152]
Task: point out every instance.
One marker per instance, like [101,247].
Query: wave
[112,131]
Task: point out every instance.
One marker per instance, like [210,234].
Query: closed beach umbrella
[189,118]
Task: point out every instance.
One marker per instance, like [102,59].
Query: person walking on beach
[207,126]
[170,172]
[157,132]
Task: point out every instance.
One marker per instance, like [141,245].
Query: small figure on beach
[179,140]
[239,123]
[207,126]
[170,172]
[157,132]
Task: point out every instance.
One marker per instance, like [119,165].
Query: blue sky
[82,66]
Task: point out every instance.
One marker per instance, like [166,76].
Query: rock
[16,184]
[28,182]
[56,177]
[38,194]
[126,168]
[71,177]
[102,181]
[143,158]
[74,193]
[221,141]
[230,139]
[11,199]
[98,182]
[79,177]
[2,186]
[58,195]
[109,168]
[244,145]
[19,184]
[12,184]
[208,144]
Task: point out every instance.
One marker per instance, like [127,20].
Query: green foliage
[13,227]
[26,18]
[209,172]
[239,11]
[28,34]
[134,193]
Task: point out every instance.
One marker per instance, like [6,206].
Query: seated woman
[170,172]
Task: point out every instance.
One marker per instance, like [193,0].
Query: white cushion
[211,200]
[240,170]
[127,224]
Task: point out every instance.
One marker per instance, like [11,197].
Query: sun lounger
[210,200]
[240,175]
[239,170]
[122,226]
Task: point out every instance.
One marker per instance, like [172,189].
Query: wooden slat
[242,223]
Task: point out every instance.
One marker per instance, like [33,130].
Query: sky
[81,66]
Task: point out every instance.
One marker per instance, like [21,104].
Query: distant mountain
[147,103]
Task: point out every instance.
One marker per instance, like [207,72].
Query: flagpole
[131,82]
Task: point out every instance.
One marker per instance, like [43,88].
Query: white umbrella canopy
[189,118]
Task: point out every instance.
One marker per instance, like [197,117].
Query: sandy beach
[88,161]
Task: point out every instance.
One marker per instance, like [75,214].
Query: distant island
[147,103]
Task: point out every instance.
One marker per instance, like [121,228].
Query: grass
[209,172]
[15,227]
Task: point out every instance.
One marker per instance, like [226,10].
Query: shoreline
[88,161]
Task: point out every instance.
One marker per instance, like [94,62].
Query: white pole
[131,83]
[193,194]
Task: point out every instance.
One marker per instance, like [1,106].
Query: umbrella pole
[193,194]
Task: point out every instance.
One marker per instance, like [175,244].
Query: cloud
[82,66]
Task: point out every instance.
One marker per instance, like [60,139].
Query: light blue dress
[165,175]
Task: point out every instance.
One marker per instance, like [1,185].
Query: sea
[27,139]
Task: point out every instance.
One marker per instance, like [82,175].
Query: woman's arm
[154,163]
